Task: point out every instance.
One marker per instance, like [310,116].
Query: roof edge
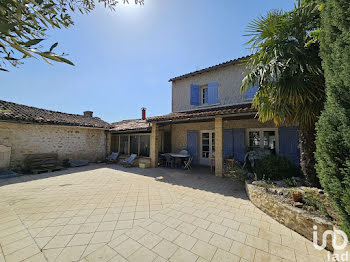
[210,68]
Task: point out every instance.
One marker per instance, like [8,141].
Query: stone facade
[67,142]
[229,79]
[292,217]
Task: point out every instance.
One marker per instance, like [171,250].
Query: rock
[298,204]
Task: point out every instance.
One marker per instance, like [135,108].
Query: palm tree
[286,67]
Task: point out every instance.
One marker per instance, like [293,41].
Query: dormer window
[204,95]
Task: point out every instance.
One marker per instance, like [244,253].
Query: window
[115,143]
[250,93]
[134,144]
[131,144]
[262,138]
[124,145]
[270,140]
[204,95]
[144,145]
[254,139]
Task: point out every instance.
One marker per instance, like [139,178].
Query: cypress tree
[333,128]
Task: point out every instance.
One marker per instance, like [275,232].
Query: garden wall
[68,142]
[292,217]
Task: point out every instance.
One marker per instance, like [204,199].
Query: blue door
[192,144]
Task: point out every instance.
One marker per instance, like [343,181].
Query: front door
[207,147]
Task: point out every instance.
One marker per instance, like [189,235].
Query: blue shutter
[212,93]
[192,144]
[251,91]
[194,95]
[239,144]
[289,143]
[228,143]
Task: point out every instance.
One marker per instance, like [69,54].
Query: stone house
[29,130]
[213,120]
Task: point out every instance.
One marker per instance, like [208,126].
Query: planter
[294,218]
[297,196]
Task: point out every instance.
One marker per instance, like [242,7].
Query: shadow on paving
[198,178]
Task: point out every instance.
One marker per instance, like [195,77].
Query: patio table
[177,155]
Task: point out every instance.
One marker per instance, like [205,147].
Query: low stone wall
[294,218]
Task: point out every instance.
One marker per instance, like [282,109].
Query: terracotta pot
[297,196]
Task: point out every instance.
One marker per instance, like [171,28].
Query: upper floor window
[250,93]
[204,95]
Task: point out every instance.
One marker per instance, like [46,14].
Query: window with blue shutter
[212,93]
[251,91]
[194,96]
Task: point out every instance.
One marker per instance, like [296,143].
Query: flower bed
[295,218]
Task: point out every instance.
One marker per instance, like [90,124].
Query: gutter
[201,118]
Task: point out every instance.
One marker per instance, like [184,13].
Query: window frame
[261,135]
[201,93]
[129,144]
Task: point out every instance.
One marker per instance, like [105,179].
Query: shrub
[333,128]
[275,167]
[237,172]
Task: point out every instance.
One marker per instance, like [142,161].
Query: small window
[270,140]
[265,138]
[204,95]
[250,93]
[254,139]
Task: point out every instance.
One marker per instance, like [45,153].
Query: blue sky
[124,59]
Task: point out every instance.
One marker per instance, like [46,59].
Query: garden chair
[169,161]
[113,157]
[129,161]
[188,163]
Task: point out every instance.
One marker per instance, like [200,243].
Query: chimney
[143,113]
[88,113]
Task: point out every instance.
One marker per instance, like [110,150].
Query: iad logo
[336,256]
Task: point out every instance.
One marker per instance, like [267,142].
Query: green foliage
[275,167]
[333,128]
[312,198]
[237,172]
[290,182]
[24,23]
[287,69]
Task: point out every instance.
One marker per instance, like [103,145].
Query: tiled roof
[22,113]
[133,125]
[211,68]
[208,112]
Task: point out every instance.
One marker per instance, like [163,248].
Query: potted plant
[297,196]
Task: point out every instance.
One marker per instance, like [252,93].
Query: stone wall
[67,142]
[292,217]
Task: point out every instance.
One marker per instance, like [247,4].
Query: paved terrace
[108,213]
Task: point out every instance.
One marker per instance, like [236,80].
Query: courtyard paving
[108,213]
